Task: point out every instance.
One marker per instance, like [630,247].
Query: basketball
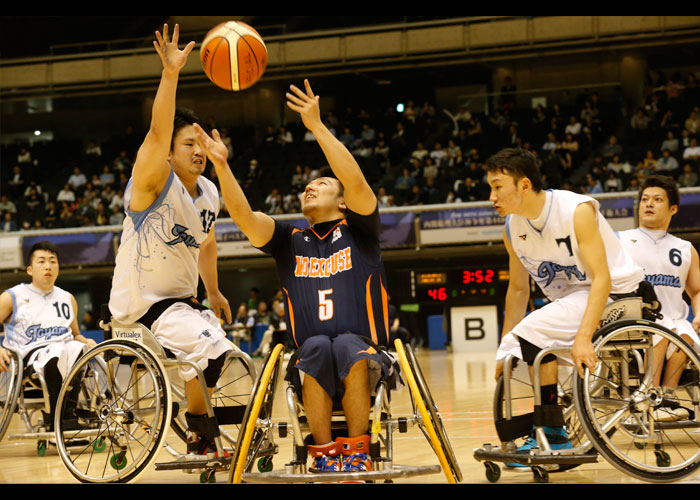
[233,56]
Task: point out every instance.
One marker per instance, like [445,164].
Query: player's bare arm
[5,313]
[257,226]
[76,329]
[517,295]
[692,286]
[210,277]
[151,169]
[359,196]
[592,251]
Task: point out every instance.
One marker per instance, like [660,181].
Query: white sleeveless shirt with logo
[38,318]
[666,263]
[549,251]
[159,248]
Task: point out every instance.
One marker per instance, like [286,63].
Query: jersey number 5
[325,305]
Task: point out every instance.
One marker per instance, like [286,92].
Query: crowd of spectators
[584,143]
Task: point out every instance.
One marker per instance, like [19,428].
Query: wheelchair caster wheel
[540,475]
[41,448]
[265,464]
[493,472]
[662,458]
[117,462]
[208,476]
[640,446]
[99,445]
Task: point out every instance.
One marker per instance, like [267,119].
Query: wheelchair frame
[129,410]
[257,433]
[611,385]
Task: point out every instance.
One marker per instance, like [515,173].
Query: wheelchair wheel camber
[397,471]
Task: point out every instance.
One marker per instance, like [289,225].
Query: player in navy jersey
[334,285]
[41,324]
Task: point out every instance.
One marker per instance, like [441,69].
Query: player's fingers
[189,48]
[176,34]
[165,33]
[227,311]
[299,93]
[155,44]
[294,108]
[295,100]
[309,92]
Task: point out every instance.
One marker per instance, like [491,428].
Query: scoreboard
[458,285]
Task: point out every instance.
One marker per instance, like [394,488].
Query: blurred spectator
[420,153]
[117,201]
[670,143]
[574,126]
[24,157]
[454,154]
[51,215]
[16,183]
[619,167]
[78,179]
[438,155]
[254,174]
[688,178]
[284,136]
[253,299]
[368,134]
[107,177]
[611,148]
[101,215]
[508,94]
[261,315]
[612,183]
[592,185]
[66,194]
[8,223]
[692,124]
[276,331]
[347,138]
[117,216]
[122,162]
[292,202]
[382,197]
[667,163]
[298,180]
[692,152]
[7,205]
[273,202]
[93,149]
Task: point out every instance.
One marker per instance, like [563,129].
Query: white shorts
[552,326]
[682,327]
[66,352]
[191,335]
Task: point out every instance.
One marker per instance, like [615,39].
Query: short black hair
[183,117]
[664,182]
[42,245]
[517,163]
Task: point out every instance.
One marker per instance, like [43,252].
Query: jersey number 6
[325,305]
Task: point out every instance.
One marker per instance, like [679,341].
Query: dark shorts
[329,360]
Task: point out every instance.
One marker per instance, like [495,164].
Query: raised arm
[257,226]
[151,169]
[595,262]
[359,196]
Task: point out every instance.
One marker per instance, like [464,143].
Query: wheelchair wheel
[10,384]
[251,437]
[117,395]
[431,423]
[622,410]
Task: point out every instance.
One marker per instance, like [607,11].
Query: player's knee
[317,346]
[530,352]
[213,370]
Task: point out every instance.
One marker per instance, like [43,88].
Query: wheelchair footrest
[540,458]
[194,462]
[397,471]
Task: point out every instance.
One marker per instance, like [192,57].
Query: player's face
[43,269]
[187,156]
[322,198]
[654,209]
[506,193]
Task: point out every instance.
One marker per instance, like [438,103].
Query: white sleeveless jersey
[666,263]
[159,248]
[38,318]
[551,254]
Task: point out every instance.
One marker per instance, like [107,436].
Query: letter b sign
[474,329]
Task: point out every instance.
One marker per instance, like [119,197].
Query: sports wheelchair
[616,410]
[132,393]
[257,447]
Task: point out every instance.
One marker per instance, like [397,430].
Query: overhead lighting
[399,108]
[37,132]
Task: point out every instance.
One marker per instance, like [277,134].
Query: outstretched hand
[173,58]
[216,150]
[306,104]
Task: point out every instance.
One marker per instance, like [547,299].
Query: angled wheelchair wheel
[117,395]
[623,410]
[424,405]
[10,383]
[253,435]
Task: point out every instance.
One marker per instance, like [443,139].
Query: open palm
[173,58]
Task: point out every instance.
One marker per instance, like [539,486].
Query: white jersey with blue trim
[666,263]
[159,248]
[548,248]
[38,318]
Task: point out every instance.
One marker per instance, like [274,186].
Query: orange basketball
[233,56]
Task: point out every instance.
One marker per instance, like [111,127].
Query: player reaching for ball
[334,283]
[168,241]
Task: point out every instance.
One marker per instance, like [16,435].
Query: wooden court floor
[462,386]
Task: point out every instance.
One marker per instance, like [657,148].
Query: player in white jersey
[168,242]
[560,240]
[41,325]
[671,265]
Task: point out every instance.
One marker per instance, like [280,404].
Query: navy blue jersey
[333,278]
